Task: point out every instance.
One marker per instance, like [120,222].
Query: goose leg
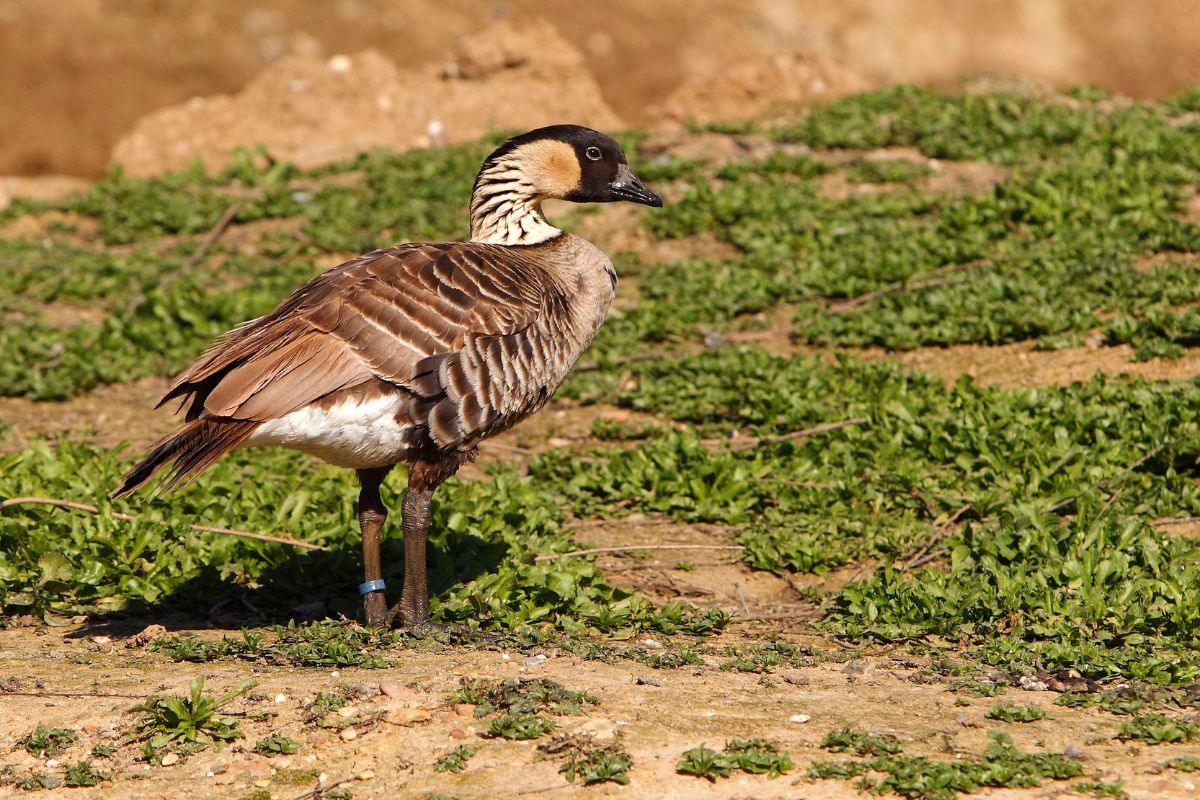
[371,515]
[423,478]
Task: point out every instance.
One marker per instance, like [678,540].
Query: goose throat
[507,209]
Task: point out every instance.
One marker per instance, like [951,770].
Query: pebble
[534,661]
[101,640]
[51,782]
[800,719]
[393,689]
[648,680]
[340,63]
[653,644]
[1032,684]
[334,674]
[366,775]
[346,712]
[464,710]
[169,759]
[281,698]
[859,668]
[323,778]
[796,680]
[349,734]
[709,714]
[52,763]
[458,733]
[1073,751]
[262,784]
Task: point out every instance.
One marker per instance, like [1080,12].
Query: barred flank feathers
[193,448]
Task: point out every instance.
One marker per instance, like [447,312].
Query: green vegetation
[1101,789]
[276,744]
[1158,729]
[591,763]
[83,774]
[860,743]
[1008,711]
[186,724]
[44,741]
[755,756]
[1020,522]
[455,760]
[1002,765]
[519,703]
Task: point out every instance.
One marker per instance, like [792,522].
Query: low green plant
[1101,789]
[455,760]
[704,762]
[276,744]
[1158,729]
[188,723]
[82,773]
[520,726]
[45,741]
[1184,764]
[1008,711]
[860,743]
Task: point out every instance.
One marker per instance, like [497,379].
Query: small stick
[825,428]
[72,694]
[934,277]
[91,509]
[592,550]
[212,236]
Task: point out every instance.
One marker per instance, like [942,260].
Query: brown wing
[376,317]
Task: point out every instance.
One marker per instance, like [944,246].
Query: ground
[790,441]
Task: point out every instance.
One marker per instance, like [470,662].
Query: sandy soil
[81,73]
[67,677]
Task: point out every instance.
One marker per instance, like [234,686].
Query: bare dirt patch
[107,416]
[64,678]
[1021,364]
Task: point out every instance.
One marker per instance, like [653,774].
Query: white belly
[351,434]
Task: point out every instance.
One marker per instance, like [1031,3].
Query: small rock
[348,734]
[534,660]
[366,775]
[51,782]
[407,716]
[557,441]
[796,680]
[101,639]
[281,698]
[334,674]
[393,689]
[170,759]
[648,680]
[323,778]
[51,763]
[799,719]
[1074,751]
[458,733]
[148,634]
[464,710]
[709,714]
[262,784]
[1032,684]
[366,690]
[653,644]
[859,668]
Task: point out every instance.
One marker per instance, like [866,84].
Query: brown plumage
[417,352]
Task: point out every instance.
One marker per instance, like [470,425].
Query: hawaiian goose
[417,352]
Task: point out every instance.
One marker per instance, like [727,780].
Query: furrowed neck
[506,209]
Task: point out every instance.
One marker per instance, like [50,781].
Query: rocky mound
[517,74]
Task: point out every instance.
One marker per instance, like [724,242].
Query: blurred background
[154,83]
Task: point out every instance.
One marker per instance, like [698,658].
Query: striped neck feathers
[506,206]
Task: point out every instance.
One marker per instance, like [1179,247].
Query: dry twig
[635,549]
[91,509]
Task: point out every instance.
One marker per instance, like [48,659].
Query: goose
[417,352]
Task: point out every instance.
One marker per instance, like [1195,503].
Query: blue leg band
[371,586]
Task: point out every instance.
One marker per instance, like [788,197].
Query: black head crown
[573,163]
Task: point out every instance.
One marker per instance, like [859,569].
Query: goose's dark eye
[593,153]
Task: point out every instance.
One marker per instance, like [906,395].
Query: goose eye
[593,153]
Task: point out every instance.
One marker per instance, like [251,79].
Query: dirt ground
[72,677]
[79,74]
